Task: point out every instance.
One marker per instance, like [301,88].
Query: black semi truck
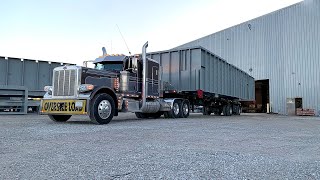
[169,83]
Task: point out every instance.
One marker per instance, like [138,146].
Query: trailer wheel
[236,110]
[185,109]
[59,118]
[205,111]
[102,109]
[227,110]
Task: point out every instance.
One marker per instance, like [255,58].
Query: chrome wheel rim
[176,109]
[230,110]
[104,109]
[185,109]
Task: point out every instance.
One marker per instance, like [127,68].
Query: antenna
[123,39]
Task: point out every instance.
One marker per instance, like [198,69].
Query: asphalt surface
[199,147]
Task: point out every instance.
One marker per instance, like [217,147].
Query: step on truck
[169,83]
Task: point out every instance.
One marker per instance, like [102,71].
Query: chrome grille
[64,82]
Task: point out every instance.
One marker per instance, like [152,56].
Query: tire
[218,112]
[185,109]
[102,109]
[138,114]
[59,118]
[168,114]
[225,110]
[229,110]
[238,112]
[176,109]
[205,111]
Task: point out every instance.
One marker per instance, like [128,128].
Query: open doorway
[262,99]
[262,96]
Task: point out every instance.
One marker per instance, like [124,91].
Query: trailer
[169,83]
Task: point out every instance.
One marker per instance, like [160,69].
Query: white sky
[74,32]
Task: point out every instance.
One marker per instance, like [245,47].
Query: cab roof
[110,58]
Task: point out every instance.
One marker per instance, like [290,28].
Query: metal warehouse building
[281,50]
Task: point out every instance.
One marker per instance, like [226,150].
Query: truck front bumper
[63,106]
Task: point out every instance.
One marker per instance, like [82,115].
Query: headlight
[85,87]
[48,89]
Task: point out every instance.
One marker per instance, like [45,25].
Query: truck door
[155,80]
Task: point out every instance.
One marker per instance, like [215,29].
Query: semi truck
[168,83]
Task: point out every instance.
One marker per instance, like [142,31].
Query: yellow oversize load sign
[63,106]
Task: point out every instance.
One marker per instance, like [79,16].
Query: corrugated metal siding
[32,74]
[282,46]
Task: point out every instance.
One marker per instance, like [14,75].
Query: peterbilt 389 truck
[150,85]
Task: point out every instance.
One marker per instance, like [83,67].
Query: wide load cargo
[191,69]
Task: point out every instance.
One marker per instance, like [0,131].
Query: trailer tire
[185,108]
[102,109]
[205,111]
[239,110]
[59,118]
[229,110]
[226,110]
[236,109]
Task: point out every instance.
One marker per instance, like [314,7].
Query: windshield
[109,67]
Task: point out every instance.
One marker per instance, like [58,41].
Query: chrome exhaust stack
[151,106]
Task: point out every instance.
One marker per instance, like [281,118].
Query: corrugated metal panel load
[32,74]
[196,68]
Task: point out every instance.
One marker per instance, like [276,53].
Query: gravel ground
[249,146]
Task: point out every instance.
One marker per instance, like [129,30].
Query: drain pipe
[144,76]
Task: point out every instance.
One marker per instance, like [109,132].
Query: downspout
[144,76]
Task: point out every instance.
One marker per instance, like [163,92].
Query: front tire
[59,118]
[102,109]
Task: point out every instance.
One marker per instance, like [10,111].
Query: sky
[74,31]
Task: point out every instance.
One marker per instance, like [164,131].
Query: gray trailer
[168,83]
[22,82]
[195,70]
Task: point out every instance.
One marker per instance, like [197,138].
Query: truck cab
[116,83]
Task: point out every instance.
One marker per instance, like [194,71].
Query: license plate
[63,106]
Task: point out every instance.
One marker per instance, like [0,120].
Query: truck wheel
[168,114]
[226,110]
[176,109]
[185,109]
[237,110]
[229,110]
[205,111]
[102,109]
[217,112]
[138,114]
[59,118]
